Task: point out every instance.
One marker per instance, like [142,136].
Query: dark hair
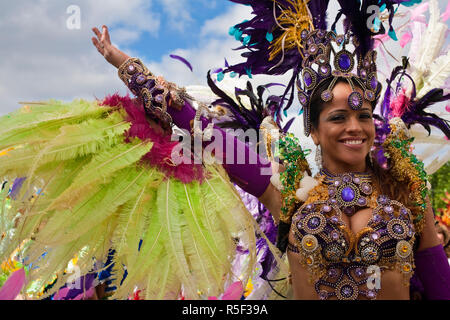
[383,179]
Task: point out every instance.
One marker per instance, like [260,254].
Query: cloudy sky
[44,55]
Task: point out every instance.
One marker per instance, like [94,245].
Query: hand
[103,44]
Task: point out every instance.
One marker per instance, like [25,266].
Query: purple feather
[183,60]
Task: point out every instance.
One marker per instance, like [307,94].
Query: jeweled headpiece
[327,56]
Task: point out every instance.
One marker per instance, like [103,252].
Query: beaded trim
[156,93]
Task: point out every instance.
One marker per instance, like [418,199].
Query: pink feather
[417,13]
[446,14]
[161,152]
[399,104]
[11,288]
[234,291]
[407,36]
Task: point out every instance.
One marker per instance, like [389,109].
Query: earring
[370,159]
[318,157]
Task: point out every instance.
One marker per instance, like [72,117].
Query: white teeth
[353,142]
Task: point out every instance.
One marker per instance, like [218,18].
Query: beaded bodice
[343,264]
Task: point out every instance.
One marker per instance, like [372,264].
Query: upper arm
[429,237]
[271,199]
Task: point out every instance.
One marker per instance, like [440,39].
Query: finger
[106,33]
[97,33]
[98,45]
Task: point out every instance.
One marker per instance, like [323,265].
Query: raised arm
[165,101]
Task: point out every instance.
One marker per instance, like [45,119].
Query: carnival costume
[87,178]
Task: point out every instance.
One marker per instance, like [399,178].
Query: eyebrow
[346,110]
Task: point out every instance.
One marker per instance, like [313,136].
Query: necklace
[348,190]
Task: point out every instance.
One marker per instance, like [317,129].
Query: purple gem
[324,69]
[356,180]
[310,41]
[359,272]
[159,98]
[366,63]
[337,183]
[375,236]
[299,226]
[323,295]
[326,208]
[363,74]
[398,229]
[404,211]
[366,188]
[344,61]
[334,235]
[354,100]
[312,49]
[334,219]
[131,69]
[362,201]
[141,79]
[304,34]
[371,294]
[331,192]
[313,223]
[373,83]
[369,95]
[333,201]
[348,194]
[410,232]
[347,291]
[382,199]
[333,273]
[307,78]
[309,207]
[302,98]
[388,209]
[376,218]
[346,178]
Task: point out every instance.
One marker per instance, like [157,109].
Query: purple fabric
[248,176]
[433,270]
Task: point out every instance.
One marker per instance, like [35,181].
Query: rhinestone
[323,295]
[348,194]
[373,83]
[324,70]
[326,208]
[344,61]
[307,79]
[371,294]
[359,272]
[346,178]
[375,236]
[337,183]
[382,199]
[141,79]
[131,69]
[388,209]
[397,229]
[334,219]
[356,180]
[334,235]
[333,273]
[362,201]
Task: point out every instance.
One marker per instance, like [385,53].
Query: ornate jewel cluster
[157,94]
[348,190]
[317,47]
[338,260]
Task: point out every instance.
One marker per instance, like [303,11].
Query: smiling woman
[97,187]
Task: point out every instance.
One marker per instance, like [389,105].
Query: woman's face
[345,135]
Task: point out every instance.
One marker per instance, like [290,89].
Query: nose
[353,125]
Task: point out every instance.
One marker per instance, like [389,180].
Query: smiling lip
[354,143]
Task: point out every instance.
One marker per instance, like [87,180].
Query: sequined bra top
[342,264]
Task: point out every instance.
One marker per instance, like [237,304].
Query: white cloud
[41,58]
